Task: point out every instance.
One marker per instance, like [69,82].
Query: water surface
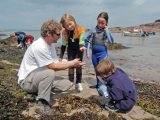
[142,59]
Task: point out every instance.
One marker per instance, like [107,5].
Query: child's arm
[82,41]
[88,42]
[100,78]
[109,36]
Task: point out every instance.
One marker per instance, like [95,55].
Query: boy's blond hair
[50,26]
[105,67]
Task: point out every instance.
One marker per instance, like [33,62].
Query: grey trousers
[39,81]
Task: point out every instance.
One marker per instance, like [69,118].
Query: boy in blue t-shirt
[117,87]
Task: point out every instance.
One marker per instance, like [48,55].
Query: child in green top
[73,36]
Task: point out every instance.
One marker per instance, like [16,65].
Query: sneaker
[79,87]
[43,109]
[110,108]
[30,97]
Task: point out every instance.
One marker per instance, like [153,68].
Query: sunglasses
[58,34]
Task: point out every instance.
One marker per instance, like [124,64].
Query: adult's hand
[82,63]
[77,63]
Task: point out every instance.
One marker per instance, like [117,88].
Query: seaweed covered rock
[11,54]
[149,97]
[71,107]
[10,41]
[79,109]
[115,46]
[11,96]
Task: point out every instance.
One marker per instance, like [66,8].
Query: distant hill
[157,20]
[154,27]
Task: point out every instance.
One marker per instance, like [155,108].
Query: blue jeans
[103,91]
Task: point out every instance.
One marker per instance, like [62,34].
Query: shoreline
[10,58]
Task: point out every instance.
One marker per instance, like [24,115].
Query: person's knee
[50,73]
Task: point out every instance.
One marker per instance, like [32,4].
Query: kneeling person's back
[121,89]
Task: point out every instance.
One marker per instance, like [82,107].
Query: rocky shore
[68,105]
[149,27]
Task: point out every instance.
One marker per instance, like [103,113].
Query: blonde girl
[73,36]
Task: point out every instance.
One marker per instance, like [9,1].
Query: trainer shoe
[100,100]
[79,87]
[111,108]
[30,97]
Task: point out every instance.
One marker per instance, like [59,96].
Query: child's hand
[82,49]
[88,56]
[105,28]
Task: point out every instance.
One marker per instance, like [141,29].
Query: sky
[30,14]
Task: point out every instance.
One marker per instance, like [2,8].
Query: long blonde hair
[78,29]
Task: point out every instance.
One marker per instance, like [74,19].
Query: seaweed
[149,97]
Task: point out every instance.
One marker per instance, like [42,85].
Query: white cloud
[31,13]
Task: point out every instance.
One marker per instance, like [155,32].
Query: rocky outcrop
[10,41]
[148,27]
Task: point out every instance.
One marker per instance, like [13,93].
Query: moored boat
[135,33]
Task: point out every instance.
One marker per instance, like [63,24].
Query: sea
[141,60]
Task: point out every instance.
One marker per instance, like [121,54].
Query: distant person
[97,39]
[116,86]
[22,39]
[37,70]
[73,36]
[29,41]
[16,34]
